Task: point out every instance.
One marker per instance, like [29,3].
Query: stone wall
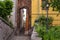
[5,30]
[27,5]
[13,13]
[34,35]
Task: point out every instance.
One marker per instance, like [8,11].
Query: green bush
[5,8]
[43,20]
[53,33]
[55,4]
[40,30]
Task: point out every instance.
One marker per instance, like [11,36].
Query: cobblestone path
[21,38]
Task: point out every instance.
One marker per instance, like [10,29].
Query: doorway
[24,20]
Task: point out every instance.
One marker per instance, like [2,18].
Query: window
[43,4]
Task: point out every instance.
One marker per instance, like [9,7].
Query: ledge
[5,22]
[34,35]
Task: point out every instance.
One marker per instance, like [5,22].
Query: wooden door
[27,23]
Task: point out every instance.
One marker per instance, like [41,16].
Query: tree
[6,8]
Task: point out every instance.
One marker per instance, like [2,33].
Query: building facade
[37,10]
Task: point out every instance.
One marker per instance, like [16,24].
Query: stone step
[20,38]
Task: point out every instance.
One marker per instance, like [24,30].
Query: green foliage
[40,30]
[43,20]
[55,4]
[53,33]
[5,8]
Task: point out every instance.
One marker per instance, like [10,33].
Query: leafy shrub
[40,30]
[5,8]
[43,20]
[55,4]
[53,33]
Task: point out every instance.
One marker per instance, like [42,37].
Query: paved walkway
[21,38]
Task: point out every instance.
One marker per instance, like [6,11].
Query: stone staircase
[5,30]
[7,33]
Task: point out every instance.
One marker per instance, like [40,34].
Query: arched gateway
[23,16]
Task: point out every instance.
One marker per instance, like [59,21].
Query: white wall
[14,12]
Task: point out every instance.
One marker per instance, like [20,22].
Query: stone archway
[21,5]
